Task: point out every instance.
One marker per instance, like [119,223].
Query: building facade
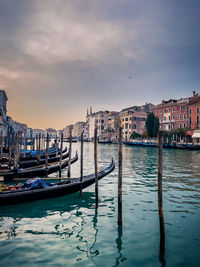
[77,129]
[133,120]
[175,114]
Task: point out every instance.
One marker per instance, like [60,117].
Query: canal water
[66,231]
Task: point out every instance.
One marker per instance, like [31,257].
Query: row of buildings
[173,114]
[131,119]
[183,113]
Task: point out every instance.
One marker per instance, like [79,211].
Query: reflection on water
[68,231]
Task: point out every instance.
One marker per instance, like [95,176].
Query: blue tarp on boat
[36,183]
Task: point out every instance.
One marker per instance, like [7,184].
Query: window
[102,127]
[173,117]
[180,116]
[134,118]
[169,109]
[197,110]
[180,126]
[161,111]
[190,121]
[184,116]
[126,125]
[184,125]
[164,118]
[126,119]
[130,118]
[102,121]
[190,111]
[197,120]
[129,126]
[134,126]
[143,119]
[169,118]
[165,110]
[173,109]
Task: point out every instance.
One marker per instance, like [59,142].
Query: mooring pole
[56,145]
[16,153]
[96,166]
[36,140]
[81,164]
[70,153]
[47,154]
[39,146]
[24,150]
[160,201]
[120,179]
[60,163]
[10,146]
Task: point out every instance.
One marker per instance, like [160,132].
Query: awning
[196,135]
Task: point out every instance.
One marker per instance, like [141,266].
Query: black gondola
[36,171]
[33,163]
[57,189]
[43,156]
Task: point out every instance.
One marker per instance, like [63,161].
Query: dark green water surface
[66,231]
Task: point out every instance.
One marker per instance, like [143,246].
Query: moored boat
[64,187]
[41,170]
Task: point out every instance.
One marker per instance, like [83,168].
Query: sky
[58,58]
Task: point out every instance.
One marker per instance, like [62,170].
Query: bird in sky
[130,77]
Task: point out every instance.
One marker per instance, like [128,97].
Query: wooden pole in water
[24,150]
[60,163]
[96,166]
[160,201]
[36,140]
[10,146]
[16,153]
[39,146]
[120,179]
[81,164]
[47,154]
[70,153]
[56,144]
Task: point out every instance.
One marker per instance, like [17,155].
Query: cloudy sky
[59,57]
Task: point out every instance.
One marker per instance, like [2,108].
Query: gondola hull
[36,171]
[59,189]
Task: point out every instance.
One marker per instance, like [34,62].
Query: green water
[66,231]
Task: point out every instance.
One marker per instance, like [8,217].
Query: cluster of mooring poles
[160,201]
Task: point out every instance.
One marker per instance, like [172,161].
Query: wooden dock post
[56,144]
[61,149]
[24,150]
[160,201]
[70,153]
[39,147]
[81,164]
[10,146]
[96,167]
[16,153]
[47,154]
[120,179]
